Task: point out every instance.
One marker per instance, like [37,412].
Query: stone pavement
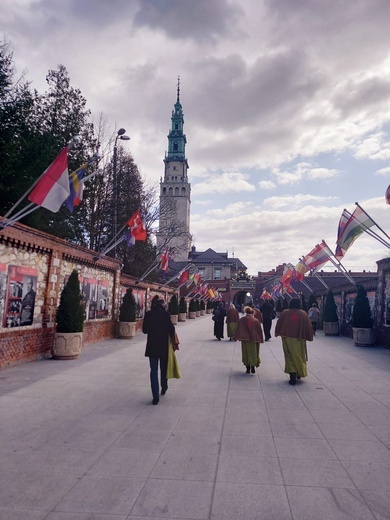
[80,440]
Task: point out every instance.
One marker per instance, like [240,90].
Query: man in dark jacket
[159,327]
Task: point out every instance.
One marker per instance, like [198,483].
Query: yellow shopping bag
[173,371]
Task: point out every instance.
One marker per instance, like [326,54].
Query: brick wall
[52,259]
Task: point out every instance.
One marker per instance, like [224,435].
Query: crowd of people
[294,326]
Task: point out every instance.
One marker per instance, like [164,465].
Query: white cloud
[267,185]
[295,201]
[223,183]
[384,171]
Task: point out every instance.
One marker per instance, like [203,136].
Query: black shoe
[293,378]
[155,401]
[164,391]
[248,370]
[298,377]
[253,370]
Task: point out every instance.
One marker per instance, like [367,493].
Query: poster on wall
[102,301]
[140,302]
[3,290]
[95,298]
[20,296]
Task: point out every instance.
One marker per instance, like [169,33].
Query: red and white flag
[52,188]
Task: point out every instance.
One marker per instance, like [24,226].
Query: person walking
[267,310]
[219,314]
[232,319]
[295,328]
[250,334]
[158,326]
[314,315]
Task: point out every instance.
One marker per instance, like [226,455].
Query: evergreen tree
[361,313]
[330,308]
[312,299]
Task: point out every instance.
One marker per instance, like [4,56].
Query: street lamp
[119,135]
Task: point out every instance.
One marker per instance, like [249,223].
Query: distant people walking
[158,326]
[219,314]
[314,315]
[256,312]
[267,310]
[232,319]
[295,328]
[250,334]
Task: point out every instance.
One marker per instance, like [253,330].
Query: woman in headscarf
[232,320]
[250,333]
[294,326]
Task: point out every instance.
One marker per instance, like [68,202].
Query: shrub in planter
[330,318]
[70,321]
[362,321]
[183,305]
[192,309]
[127,315]
[202,307]
[173,309]
[182,309]
[361,313]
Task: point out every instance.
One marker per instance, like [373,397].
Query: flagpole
[151,268]
[384,232]
[177,276]
[338,265]
[19,215]
[321,280]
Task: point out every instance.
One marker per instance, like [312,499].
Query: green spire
[176,139]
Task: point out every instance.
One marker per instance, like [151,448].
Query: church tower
[175,191]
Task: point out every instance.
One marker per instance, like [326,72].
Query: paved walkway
[80,440]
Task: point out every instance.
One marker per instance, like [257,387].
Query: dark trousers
[314,325]
[267,323]
[153,361]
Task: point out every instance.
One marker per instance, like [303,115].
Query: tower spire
[178,89]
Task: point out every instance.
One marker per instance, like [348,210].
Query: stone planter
[67,345]
[197,314]
[208,311]
[331,328]
[126,329]
[174,318]
[182,316]
[363,337]
[202,313]
[192,315]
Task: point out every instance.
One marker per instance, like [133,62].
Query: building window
[176,191]
[201,272]
[183,191]
[217,273]
[175,147]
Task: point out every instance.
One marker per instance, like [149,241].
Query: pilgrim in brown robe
[294,326]
[250,333]
[232,320]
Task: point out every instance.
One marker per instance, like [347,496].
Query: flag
[316,257]
[136,227]
[52,189]
[164,260]
[300,270]
[265,295]
[387,195]
[345,216]
[184,276]
[76,187]
[197,278]
[287,276]
[357,223]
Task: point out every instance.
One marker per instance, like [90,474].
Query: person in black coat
[267,310]
[158,326]
[219,314]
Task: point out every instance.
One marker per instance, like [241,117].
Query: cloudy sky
[286,103]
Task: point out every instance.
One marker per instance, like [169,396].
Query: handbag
[173,371]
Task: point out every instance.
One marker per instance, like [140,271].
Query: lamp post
[120,135]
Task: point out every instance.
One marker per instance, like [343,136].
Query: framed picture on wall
[20,296]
